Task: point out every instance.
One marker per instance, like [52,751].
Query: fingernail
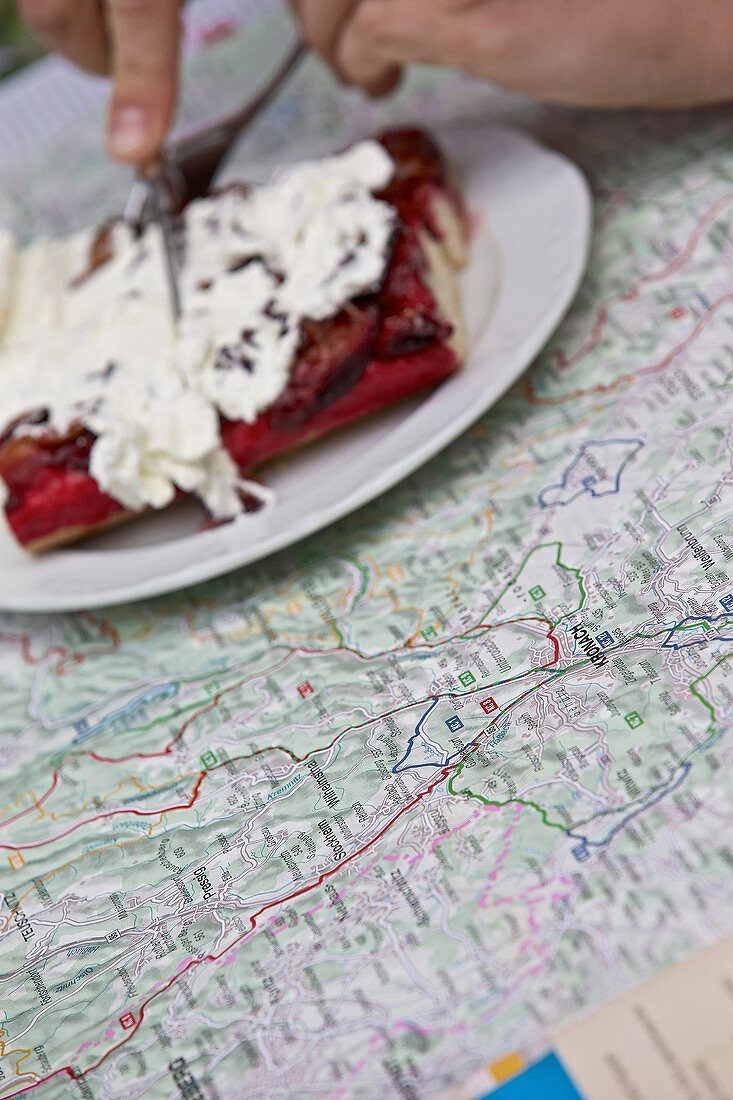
[128,132]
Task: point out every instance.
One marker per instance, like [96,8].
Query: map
[372,817]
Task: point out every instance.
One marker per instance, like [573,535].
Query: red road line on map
[533,399]
[25,649]
[596,332]
[679,262]
[259,752]
[132,756]
[281,748]
[169,747]
[63,653]
[37,803]
[152,756]
[253,927]
[443,774]
[702,323]
[135,755]
[109,813]
[422,645]
[174,741]
[555,645]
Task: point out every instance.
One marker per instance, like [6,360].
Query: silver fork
[188,165]
[198,155]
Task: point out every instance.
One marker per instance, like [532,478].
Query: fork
[189,164]
[198,155]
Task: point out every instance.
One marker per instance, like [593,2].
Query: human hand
[593,53]
[137,42]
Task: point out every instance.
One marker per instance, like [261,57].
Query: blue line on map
[699,639]
[418,733]
[122,719]
[497,735]
[588,484]
[585,843]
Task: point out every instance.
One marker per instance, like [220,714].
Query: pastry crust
[66,536]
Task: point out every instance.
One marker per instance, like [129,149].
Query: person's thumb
[145,44]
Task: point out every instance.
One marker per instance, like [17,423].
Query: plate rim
[209,566]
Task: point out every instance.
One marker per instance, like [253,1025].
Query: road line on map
[643,372]
[37,802]
[445,772]
[601,319]
[660,794]
[110,813]
[253,928]
[349,729]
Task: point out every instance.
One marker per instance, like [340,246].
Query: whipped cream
[102,350]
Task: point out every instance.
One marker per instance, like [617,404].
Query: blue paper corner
[546,1080]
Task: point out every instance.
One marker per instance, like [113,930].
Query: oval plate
[528,254]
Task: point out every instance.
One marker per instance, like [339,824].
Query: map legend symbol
[454,724]
[467,679]
[16,861]
[605,639]
[209,759]
[633,720]
[488,706]
[538,592]
[429,633]
[127,1021]
[581,852]
[727,602]
[305,689]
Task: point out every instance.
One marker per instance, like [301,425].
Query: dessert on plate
[307,302]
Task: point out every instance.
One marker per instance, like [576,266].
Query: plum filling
[333,357]
[377,350]
[49,486]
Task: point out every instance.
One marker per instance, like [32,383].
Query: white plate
[527,258]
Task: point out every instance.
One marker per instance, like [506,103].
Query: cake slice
[307,303]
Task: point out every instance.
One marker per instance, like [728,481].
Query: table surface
[367,818]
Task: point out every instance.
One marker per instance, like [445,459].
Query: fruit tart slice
[306,302]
